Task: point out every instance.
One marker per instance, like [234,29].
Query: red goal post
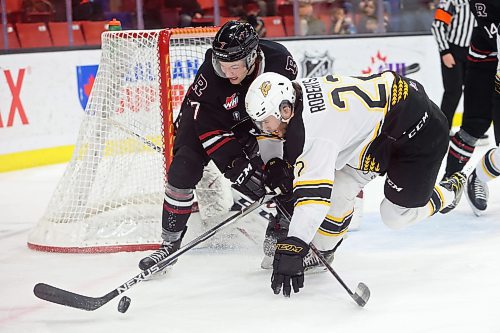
[109,198]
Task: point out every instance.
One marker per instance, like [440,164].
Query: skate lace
[311,260]
[160,254]
[479,191]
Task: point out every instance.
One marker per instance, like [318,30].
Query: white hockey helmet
[267,94]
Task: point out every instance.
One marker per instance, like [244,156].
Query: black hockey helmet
[235,41]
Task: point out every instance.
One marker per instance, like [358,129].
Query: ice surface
[442,275]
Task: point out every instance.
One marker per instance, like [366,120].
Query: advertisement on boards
[42,105]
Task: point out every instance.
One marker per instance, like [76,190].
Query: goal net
[109,198]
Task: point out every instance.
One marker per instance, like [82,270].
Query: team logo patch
[265,87]
[231,102]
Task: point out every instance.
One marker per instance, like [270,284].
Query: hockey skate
[312,264]
[276,229]
[477,194]
[455,183]
[166,249]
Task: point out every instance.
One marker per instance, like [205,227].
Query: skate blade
[476,211]
[315,270]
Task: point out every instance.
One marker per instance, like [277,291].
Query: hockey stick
[60,296]
[362,293]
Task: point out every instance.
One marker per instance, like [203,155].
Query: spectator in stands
[87,10]
[189,9]
[270,8]
[38,10]
[368,21]
[152,16]
[309,23]
[341,23]
[252,16]
[235,8]
[413,15]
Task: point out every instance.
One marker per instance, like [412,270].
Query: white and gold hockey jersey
[341,118]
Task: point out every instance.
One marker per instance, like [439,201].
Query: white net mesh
[110,196]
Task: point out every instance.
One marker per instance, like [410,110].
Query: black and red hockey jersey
[213,117]
[483,45]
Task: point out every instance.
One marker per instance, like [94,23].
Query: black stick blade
[67,298]
[362,294]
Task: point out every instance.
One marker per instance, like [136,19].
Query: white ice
[442,275]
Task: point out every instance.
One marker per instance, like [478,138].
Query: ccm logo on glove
[289,248]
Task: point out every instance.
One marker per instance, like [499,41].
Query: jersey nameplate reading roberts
[314,95]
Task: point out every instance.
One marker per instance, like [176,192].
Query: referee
[452,28]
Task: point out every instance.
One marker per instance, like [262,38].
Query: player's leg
[453,79]
[410,191]
[478,94]
[184,173]
[487,169]
[348,183]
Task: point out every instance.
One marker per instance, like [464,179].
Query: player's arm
[314,176]
[441,25]
[222,146]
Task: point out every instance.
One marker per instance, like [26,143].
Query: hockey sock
[461,148]
[177,207]
[440,198]
[487,169]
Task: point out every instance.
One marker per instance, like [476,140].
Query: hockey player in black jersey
[341,132]
[214,126]
[488,17]
[481,102]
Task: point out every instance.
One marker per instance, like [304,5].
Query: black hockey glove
[279,174]
[247,177]
[288,265]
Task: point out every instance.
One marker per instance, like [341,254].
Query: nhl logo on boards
[314,65]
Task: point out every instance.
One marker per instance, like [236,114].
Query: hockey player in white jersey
[341,132]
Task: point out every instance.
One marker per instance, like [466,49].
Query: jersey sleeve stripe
[217,146]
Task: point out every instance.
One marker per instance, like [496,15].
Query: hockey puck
[124,304]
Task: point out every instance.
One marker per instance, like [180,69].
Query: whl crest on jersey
[231,102]
[314,65]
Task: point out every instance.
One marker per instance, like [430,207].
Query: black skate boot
[477,194]
[166,249]
[455,183]
[276,229]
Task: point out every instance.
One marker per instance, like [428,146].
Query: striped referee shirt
[453,24]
